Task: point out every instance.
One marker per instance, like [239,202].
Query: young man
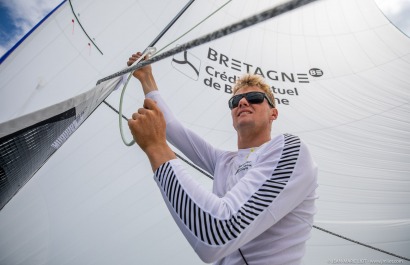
[262,205]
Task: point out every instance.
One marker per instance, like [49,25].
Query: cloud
[397,11]
[23,15]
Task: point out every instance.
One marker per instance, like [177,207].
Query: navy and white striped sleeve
[215,226]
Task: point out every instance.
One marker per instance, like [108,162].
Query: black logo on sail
[188,64]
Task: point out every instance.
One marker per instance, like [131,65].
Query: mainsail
[339,70]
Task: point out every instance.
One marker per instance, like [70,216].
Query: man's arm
[217,226]
[179,136]
[148,125]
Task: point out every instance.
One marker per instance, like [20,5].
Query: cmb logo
[188,64]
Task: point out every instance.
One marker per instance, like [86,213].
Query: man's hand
[148,128]
[144,74]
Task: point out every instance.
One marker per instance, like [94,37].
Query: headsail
[338,68]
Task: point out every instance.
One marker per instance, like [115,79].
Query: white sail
[339,70]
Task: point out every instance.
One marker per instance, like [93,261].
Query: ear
[273,114]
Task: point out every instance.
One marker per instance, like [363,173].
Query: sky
[17,17]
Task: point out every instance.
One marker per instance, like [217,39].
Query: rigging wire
[195,26]
[161,34]
[151,51]
[360,243]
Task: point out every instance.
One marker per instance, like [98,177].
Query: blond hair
[248,80]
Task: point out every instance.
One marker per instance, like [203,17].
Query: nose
[243,102]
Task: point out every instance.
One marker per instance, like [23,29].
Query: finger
[136,56]
[131,123]
[130,61]
[134,116]
[133,58]
[150,104]
[142,111]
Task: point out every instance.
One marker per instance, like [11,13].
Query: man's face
[252,116]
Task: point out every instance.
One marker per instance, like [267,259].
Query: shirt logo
[245,166]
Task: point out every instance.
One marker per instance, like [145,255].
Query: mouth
[242,113]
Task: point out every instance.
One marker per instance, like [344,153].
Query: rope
[148,51]
[245,23]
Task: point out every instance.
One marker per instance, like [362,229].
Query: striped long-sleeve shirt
[262,205]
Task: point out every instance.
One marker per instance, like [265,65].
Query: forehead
[247,89]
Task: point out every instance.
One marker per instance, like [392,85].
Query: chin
[244,124]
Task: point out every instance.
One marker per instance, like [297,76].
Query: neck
[249,140]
